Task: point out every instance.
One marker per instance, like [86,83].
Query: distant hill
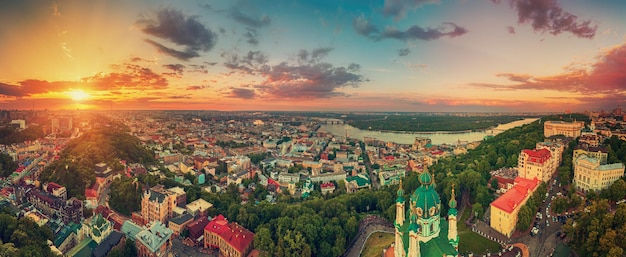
[108,143]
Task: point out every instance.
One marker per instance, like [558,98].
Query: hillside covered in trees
[108,143]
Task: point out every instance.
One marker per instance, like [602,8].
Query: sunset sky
[317,55]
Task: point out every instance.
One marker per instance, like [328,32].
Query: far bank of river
[437,138]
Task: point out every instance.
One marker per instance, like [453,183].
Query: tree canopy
[23,237]
[108,143]
[7,165]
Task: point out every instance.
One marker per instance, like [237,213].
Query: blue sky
[395,55]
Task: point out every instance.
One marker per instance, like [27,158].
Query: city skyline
[393,55]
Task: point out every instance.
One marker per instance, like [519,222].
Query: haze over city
[394,55]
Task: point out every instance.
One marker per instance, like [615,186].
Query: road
[368,167]
[367,226]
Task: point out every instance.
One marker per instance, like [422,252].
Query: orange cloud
[606,76]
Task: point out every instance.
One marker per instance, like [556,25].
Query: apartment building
[537,163]
[504,210]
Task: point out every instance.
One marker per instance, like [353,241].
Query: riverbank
[436,137]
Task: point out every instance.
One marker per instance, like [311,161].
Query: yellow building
[568,129]
[157,206]
[504,210]
[590,174]
[600,152]
[538,163]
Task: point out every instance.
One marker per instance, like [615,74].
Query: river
[437,138]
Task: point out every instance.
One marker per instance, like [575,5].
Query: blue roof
[611,166]
[154,236]
[130,229]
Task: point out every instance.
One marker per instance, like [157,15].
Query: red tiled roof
[273,182]
[327,184]
[436,152]
[197,226]
[512,199]
[52,186]
[537,156]
[90,193]
[232,233]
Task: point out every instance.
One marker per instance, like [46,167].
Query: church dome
[452,203]
[425,200]
[426,178]
[400,198]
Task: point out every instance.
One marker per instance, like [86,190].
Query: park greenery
[125,196]
[598,230]
[412,122]
[22,236]
[106,143]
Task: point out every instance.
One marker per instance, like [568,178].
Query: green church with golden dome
[425,233]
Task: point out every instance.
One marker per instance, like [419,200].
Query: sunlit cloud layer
[392,55]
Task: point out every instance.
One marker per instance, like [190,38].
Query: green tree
[7,165]
[129,248]
[617,190]
[478,210]
[524,217]
[125,195]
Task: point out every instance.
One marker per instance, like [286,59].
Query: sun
[78,95]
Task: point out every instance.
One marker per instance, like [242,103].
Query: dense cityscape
[197,183]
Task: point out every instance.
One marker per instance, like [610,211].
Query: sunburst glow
[78,95]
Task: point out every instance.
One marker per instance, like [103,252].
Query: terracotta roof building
[536,163]
[504,210]
[231,238]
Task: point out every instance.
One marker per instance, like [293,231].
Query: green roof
[65,232]
[130,229]
[439,245]
[425,197]
[83,249]
[361,180]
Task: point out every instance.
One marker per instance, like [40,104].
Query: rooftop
[514,197]
[154,236]
[234,234]
[538,156]
[181,219]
